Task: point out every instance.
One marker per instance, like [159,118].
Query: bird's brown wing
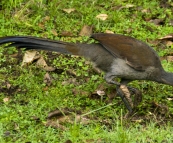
[137,54]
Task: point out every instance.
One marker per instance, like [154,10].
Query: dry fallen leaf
[54,124]
[167,40]
[86,30]
[41,62]
[54,32]
[41,25]
[69,81]
[128,6]
[29,57]
[102,16]
[145,11]
[170,99]
[57,118]
[6,99]
[109,31]
[80,92]
[8,85]
[49,68]
[157,21]
[47,79]
[57,113]
[46,18]
[169,58]
[169,36]
[69,10]
[168,43]
[66,33]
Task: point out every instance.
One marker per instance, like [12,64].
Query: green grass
[24,117]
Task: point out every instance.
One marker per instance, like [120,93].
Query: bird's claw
[125,94]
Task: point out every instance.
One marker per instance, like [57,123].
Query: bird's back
[137,54]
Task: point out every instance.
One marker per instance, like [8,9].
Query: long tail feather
[29,42]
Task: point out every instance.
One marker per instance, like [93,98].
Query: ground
[69,101]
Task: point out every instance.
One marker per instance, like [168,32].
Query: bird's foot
[137,96]
[125,93]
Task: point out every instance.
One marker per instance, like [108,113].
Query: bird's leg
[137,95]
[110,79]
[124,92]
[125,98]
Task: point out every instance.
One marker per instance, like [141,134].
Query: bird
[119,56]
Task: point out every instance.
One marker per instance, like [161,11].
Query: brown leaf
[102,16]
[109,31]
[129,30]
[146,11]
[54,124]
[169,36]
[160,109]
[49,68]
[29,57]
[69,10]
[69,81]
[128,6]
[81,119]
[80,92]
[71,72]
[149,28]
[58,117]
[47,79]
[54,32]
[167,40]
[168,43]
[8,85]
[41,25]
[58,113]
[66,33]
[157,21]
[46,18]
[111,93]
[35,118]
[169,58]
[6,99]
[15,55]
[41,62]
[86,30]
[154,42]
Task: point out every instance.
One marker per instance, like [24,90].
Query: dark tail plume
[29,42]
